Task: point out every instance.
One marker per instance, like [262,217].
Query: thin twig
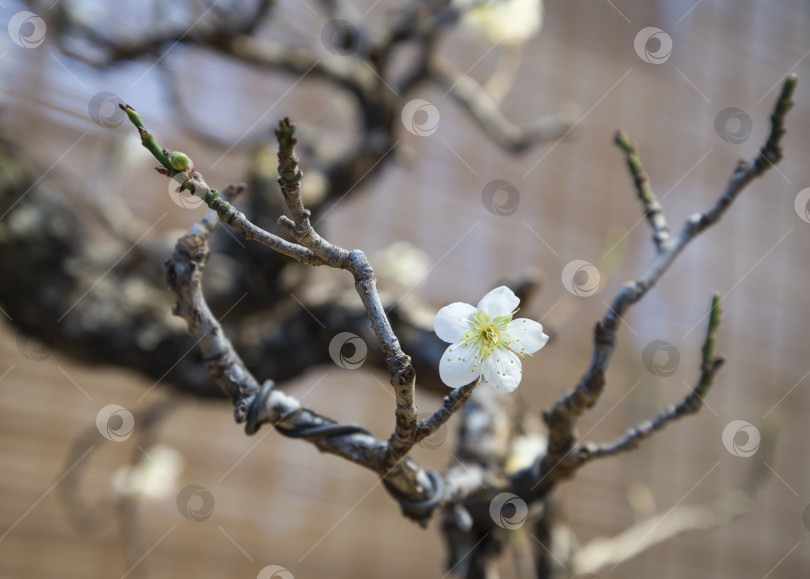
[452,402]
[195,184]
[401,372]
[689,405]
[489,116]
[560,461]
[652,209]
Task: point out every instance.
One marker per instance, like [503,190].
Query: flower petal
[502,371]
[453,321]
[527,336]
[499,302]
[459,365]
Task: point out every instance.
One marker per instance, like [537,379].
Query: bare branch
[559,461]
[652,209]
[689,405]
[184,276]
[401,372]
[289,179]
[299,60]
[220,29]
[417,490]
[486,113]
[745,172]
[493,440]
[193,182]
[452,403]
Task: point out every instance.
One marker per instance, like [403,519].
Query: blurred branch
[129,522]
[490,422]
[222,27]
[488,115]
[632,542]
[91,518]
[365,72]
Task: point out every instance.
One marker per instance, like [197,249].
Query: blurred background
[694,108]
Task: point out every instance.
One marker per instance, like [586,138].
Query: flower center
[487,334]
[490,335]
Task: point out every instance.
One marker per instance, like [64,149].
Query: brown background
[276,500]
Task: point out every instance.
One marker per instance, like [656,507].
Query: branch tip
[716,315]
[623,141]
[284,135]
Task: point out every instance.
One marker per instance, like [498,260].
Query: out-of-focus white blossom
[153,477]
[402,263]
[525,450]
[511,22]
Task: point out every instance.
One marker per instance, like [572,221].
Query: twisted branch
[259,405]
[418,491]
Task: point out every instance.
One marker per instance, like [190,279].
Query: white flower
[402,264]
[510,22]
[153,477]
[486,341]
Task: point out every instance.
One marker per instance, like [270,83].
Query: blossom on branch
[486,341]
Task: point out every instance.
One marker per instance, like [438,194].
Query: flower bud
[180,161]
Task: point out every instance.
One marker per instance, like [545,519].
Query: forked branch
[689,405]
[560,459]
[418,491]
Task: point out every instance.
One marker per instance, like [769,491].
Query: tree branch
[452,403]
[745,172]
[634,541]
[489,117]
[559,461]
[401,372]
[418,492]
[652,209]
[691,404]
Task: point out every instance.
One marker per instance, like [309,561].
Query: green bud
[179,161]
